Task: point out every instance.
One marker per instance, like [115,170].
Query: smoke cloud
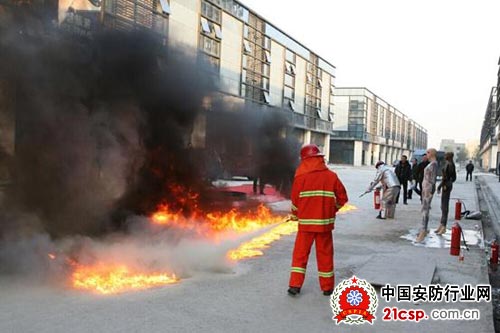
[103,135]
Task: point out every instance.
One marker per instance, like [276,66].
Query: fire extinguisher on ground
[494,252]
[376,199]
[456,232]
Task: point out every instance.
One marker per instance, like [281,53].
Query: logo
[354,301]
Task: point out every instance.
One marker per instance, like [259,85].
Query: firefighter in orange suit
[317,195]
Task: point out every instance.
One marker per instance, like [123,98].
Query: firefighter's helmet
[310,150]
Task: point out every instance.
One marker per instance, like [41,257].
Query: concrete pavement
[253,297]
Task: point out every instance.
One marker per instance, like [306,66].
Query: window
[266,97]
[265,69]
[268,56]
[211,12]
[217,30]
[290,56]
[265,83]
[165,7]
[330,117]
[291,104]
[318,113]
[205,26]
[289,93]
[210,46]
[246,46]
[320,83]
[289,80]
[309,78]
[256,60]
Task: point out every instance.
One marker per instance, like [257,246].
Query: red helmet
[310,150]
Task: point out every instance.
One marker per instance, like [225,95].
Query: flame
[112,279]
[347,208]
[216,222]
[105,278]
[254,247]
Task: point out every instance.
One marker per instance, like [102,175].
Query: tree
[462,155]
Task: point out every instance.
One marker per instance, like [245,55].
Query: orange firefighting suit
[317,195]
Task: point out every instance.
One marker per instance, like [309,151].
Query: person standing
[420,175]
[414,168]
[449,175]
[469,168]
[428,189]
[403,172]
[391,187]
[317,195]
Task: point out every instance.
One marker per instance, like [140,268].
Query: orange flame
[115,278]
[112,279]
[216,221]
[255,246]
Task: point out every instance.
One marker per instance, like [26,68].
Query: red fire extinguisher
[458,210]
[376,199]
[494,252]
[456,231]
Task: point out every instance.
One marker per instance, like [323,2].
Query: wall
[231,50]
[277,74]
[184,23]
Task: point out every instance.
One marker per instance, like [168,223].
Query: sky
[434,60]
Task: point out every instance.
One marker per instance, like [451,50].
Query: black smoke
[103,128]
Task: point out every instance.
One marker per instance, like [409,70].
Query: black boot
[293,291]
[379,216]
[327,292]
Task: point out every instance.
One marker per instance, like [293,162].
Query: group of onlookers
[423,179]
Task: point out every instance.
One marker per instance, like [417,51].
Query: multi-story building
[367,129]
[488,144]
[258,65]
[449,145]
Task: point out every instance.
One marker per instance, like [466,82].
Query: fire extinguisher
[494,252]
[458,210]
[376,199]
[456,232]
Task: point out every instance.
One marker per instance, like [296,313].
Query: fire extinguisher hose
[463,237]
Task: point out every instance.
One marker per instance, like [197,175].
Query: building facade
[488,144]
[257,64]
[367,129]
[449,145]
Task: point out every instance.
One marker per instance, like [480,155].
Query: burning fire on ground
[113,278]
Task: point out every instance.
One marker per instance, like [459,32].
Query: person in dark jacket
[469,168]
[403,172]
[449,175]
[420,175]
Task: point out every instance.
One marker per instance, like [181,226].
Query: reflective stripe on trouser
[324,257]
